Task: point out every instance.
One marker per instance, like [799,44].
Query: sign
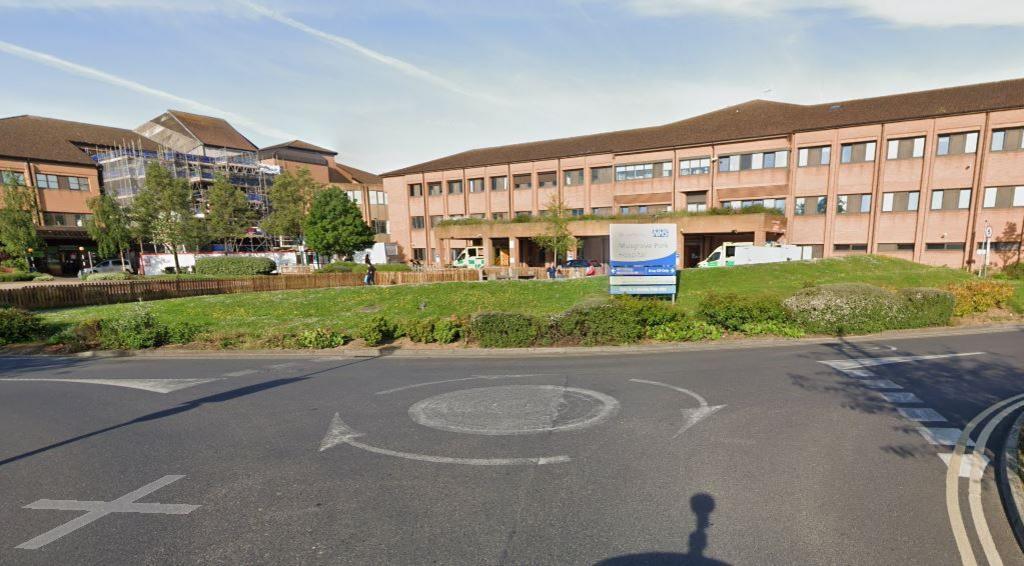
[643,259]
[988,232]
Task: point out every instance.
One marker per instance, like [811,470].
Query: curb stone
[1013,486]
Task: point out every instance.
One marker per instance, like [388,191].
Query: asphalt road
[747,456]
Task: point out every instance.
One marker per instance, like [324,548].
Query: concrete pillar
[488,251]
[513,251]
[681,250]
[760,237]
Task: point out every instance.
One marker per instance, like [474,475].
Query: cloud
[96,74]
[909,13]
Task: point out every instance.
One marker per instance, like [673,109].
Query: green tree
[228,214]
[335,225]
[556,238]
[163,211]
[110,226]
[291,196]
[18,212]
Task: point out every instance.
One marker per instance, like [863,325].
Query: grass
[277,312]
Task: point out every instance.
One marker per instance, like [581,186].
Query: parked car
[581,263]
[106,266]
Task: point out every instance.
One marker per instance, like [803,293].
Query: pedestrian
[371,271]
[591,269]
[551,270]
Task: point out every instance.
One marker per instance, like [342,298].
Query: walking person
[371,271]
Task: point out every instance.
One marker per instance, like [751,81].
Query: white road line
[240,373]
[974,487]
[690,416]
[880,384]
[921,414]
[898,397]
[858,372]
[154,385]
[285,365]
[472,377]
[942,436]
[966,463]
[855,363]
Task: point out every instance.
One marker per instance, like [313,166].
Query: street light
[81,249]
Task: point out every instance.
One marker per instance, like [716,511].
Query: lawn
[278,312]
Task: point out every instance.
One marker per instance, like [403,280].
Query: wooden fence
[44,296]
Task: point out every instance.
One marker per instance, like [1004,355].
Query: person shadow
[702,505]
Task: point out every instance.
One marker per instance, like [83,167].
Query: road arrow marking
[154,385]
[694,416]
[855,363]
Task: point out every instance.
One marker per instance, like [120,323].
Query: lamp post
[88,255]
[28,258]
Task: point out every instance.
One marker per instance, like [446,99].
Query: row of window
[47,181]
[65,219]
[929,246]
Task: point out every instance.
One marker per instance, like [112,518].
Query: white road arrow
[154,385]
[690,416]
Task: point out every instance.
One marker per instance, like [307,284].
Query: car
[106,266]
[581,263]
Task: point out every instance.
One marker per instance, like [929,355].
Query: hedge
[858,308]
[506,330]
[17,325]
[980,295]
[235,266]
[355,267]
[9,276]
[732,311]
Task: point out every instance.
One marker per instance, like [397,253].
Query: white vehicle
[106,266]
[746,253]
[472,258]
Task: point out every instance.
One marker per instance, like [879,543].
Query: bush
[115,276]
[15,264]
[1015,271]
[181,332]
[235,266]
[420,330]
[17,325]
[447,330]
[649,312]
[731,311]
[356,267]
[133,330]
[927,307]
[505,330]
[43,277]
[847,308]
[607,323]
[83,336]
[16,276]
[685,331]
[337,267]
[378,330]
[979,295]
[322,338]
[772,328]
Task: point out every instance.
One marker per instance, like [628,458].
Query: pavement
[789,454]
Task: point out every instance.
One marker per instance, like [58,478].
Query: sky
[388,84]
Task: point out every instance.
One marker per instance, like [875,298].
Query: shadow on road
[702,505]
[22,364]
[185,407]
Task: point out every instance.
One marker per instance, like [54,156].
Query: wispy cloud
[911,13]
[114,80]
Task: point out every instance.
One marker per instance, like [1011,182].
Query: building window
[476,185]
[547,179]
[643,171]
[743,162]
[417,222]
[861,152]
[12,178]
[701,166]
[478,215]
[419,254]
[523,214]
[1001,246]
[850,247]
[44,181]
[78,183]
[775,203]
[436,219]
[54,219]
[601,210]
[378,197]
[576,212]
[499,183]
[957,144]
[696,202]
[906,148]
[853,204]
[944,246]
[1003,197]
[434,189]
[523,181]
[573,177]
[951,199]
[905,201]
[814,156]
[904,247]
[355,196]
[499,215]
[600,175]
[1008,139]
[380,226]
[808,206]
[455,187]
[415,190]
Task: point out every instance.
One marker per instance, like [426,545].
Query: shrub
[649,311]
[846,308]
[356,267]
[322,338]
[685,331]
[16,276]
[377,331]
[505,330]
[606,323]
[116,276]
[83,336]
[1015,271]
[337,267]
[17,325]
[235,266]
[43,277]
[133,330]
[979,295]
[731,311]
[927,307]
[447,330]
[15,264]
[420,330]
[772,328]
[181,332]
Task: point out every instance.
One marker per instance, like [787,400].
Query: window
[600,175]
[906,148]
[944,246]
[415,190]
[523,214]
[436,219]
[850,247]
[419,254]
[1008,139]
[860,152]
[46,181]
[81,219]
[700,166]
[476,185]
[951,199]
[575,212]
[547,180]
[499,183]
[643,171]
[909,247]
[573,177]
[905,201]
[1003,197]
[499,215]
[806,206]
[768,160]
[523,181]
[853,204]
[957,144]
[380,226]
[54,219]
[696,202]
[455,187]
[78,183]
[378,197]
[355,196]
[12,178]
[1000,246]
[417,222]
[478,215]
[434,189]
[814,156]
[776,203]
[601,211]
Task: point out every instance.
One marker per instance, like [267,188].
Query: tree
[110,226]
[335,225]
[163,210]
[290,200]
[18,211]
[556,238]
[228,214]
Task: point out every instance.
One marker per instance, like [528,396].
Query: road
[725,456]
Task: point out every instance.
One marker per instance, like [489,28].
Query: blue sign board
[638,253]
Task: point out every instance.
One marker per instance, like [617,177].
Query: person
[371,271]
[591,269]
[551,270]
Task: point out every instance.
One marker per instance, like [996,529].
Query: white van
[746,253]
[472,258]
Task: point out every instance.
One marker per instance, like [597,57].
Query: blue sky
[389,84]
